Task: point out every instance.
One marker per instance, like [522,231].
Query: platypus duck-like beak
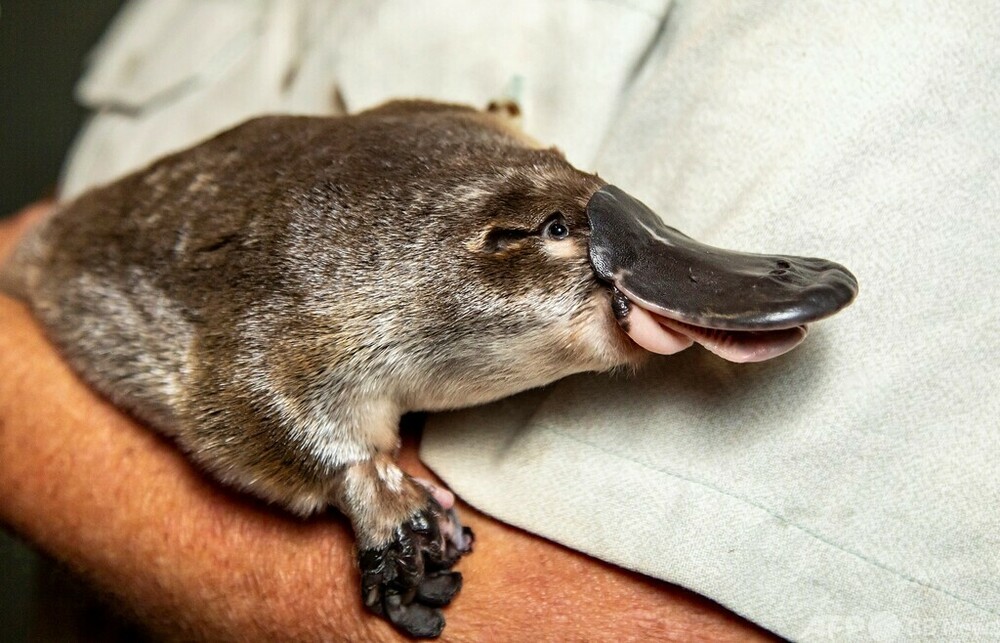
[671,291]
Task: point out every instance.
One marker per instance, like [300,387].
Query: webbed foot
[409,579]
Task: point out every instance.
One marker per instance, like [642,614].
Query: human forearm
[191,560]
[123,508]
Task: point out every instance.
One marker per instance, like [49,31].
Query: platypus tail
[19,272]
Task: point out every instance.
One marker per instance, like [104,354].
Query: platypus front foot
[408,579]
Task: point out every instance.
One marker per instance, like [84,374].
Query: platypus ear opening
[502,239]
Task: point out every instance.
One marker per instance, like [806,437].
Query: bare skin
[190,560]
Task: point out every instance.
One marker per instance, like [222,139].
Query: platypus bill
[276,297]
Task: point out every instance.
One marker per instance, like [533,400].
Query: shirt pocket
[156,50]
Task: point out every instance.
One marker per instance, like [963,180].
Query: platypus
[276,297]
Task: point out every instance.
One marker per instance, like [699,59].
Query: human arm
[189,559]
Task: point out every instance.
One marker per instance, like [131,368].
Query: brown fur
[276,297]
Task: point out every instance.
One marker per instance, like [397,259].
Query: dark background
[43,45]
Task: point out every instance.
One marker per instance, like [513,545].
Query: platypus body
[276,297]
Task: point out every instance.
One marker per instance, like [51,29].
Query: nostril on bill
[782,264]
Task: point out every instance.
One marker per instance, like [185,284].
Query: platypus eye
[556,228]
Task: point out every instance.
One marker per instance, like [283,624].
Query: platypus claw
[409,579]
